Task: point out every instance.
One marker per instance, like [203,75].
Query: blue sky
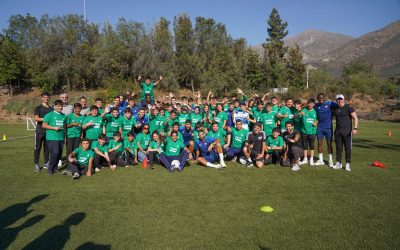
[243,18]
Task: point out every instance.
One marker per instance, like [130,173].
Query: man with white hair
[67,108]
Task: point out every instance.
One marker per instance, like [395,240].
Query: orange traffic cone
[389,133]
[145,164]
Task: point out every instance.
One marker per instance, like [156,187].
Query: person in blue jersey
[209,151]
[187,133]
[229,113]
[242,115]
[324,111]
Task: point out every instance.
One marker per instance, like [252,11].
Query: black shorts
[308,141]
[254,154]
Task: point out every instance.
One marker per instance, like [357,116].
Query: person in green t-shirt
[196,116]
[170,120]
[93,124]
[130,150]
[100,149]
[156,147]
[309,130]
[142,141]
[148,87]
[112,122]
[297,120]
[183,116]
[175,155]
[126,123]
[80,161]
[285,114]
[268,120]
[74,128]
[54,123]
[220,116]
[236,139]
[275,146]
[115,149]
[218,133]
[275,104]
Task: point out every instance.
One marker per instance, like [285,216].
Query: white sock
[330,157]
[221,157]
[248,159]
[311,159]
[321,157]
[210,165]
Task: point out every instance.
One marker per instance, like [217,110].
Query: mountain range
[380,48]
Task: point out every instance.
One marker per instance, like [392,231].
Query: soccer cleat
[37,168]
[319,163]
[223,165]
[59,164]
[97,169]
[249,164]
[217,166]
[338,165]
[127,166]
[303,162]
[348,167]
[75,176]
[331,165]
[242,161]
[295,167]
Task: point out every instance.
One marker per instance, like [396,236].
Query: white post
[307,75]
[84,10]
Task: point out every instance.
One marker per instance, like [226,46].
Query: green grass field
[205,208]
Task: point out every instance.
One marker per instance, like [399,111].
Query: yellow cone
[4,137]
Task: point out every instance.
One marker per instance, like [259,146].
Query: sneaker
[67,173]
[242,161]
[331,165]
[312,164]
[249,164]
[178,169]
[46,165]
[113,167]
[59,164]
[305,161]
[127,166]
[37,168]
[234,158]
[223,165]
[348,167]
[319,163]
[338,166]
[218,165]
[295,167]
[97,169]
[75,176]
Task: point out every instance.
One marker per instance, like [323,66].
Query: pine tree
[296,69]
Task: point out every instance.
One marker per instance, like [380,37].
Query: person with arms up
[345,115]
[148,86]
[40,132]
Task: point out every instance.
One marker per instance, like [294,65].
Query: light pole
[307,76]
[84,10]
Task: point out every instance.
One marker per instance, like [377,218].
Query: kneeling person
[100,149]
[80,161]
[275,146]
[255,147]
[209,151]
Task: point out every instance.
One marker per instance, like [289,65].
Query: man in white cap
[344,131]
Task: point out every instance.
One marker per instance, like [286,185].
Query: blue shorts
[211,157]
[232,152]
[324,132]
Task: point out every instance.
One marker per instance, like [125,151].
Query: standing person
[93,124]
[324,130]
[196,116]
[142,143]
[242,115]
[285,114]
[74,128]
[268,120]
[148,87]
[126,123]
[344,131]
[175,150]
[209,151]
[254,148]
[67,108]
[220,116]
[294,149]
[80,161]
[54,123]
[112,123]
[40,132]
[308,130]
[84,109]
[140,120]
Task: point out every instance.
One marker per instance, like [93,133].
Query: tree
[12,65]
[296,69]
[274,64]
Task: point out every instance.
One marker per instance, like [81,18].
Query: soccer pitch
[203,208]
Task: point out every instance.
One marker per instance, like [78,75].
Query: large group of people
[254,131]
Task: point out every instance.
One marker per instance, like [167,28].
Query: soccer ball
[175,164]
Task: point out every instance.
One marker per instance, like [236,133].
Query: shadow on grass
[56,237]
[94,246]
[12,214]
[263,248]
[362,143]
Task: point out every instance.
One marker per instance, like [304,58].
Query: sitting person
[209,151]
[175,151]
[275,146]
[294,149]
[80,161]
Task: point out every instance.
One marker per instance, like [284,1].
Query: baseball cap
[339,96]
